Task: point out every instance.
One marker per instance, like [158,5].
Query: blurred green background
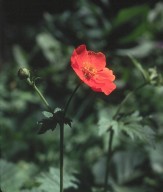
[41,35]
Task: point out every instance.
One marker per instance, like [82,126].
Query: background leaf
[50,181]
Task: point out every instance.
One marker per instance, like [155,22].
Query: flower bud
[155,78]
[23,73]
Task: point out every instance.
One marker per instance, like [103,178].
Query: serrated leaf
[13,176]
[51,122]
[132,118]
[47,124]
[134,127]
[104,125]
[50,181]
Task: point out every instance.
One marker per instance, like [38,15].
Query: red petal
[81,56]
[102,81]
[108,88]
[97,60]
[78,56]
[81,49]
[105,74]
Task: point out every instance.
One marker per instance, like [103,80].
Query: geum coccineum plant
[90,67]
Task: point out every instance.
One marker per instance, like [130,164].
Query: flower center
[88,71]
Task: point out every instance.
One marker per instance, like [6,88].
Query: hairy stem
[62,138]
[112,134]
[127,97]
[40,94]
[61,155]
[108,159]
[69,100]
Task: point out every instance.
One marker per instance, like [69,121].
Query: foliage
[50,181]
[131,38]
[16,177]
[131,124]
[52,119]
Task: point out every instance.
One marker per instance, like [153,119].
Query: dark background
[41,36]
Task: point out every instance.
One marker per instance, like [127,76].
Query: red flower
[90,67]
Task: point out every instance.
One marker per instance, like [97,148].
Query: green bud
[155,78]
[23,73]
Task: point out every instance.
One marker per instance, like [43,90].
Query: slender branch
[32,84]
[61,155]
[126,98]
[112,134]
[69,100]
[62,137]
[40,94]
[108,159]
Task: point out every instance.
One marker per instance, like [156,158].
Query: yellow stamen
[88,71]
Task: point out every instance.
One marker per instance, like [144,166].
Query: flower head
[23,73]
[90,67]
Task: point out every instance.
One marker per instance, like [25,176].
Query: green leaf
[13,176]
[135,34]
[20,56]
[105,123]
[47,124]
[50,46]
[47,114]
[130,13]
[126,164]
[50,181]
[31,190]
[156,158]
[129,189]
[133,125]
[52,120]
[132,118]
[141,50]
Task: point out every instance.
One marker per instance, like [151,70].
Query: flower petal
[105,74]
[102,81]
[78,57]
[97,60]
[108,88]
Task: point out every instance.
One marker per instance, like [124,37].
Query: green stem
[69,100]
[61,155]
[127,97]
[62,137]
[112,134]
[108,159]
[40,94]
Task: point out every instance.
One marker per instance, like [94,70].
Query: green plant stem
[62,138]
[108,159]
[69,100]
[40,94]
[112,134]
[61,155]
[127,97]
